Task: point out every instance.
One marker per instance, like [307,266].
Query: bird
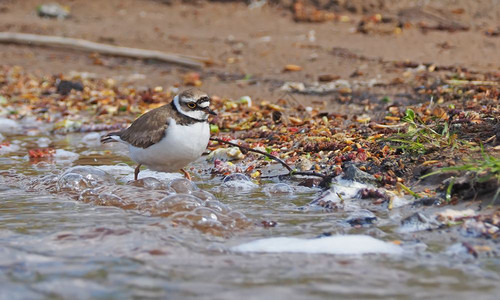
[169,137]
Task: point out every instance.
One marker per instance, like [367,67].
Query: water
[54,246]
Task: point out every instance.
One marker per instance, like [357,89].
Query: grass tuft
[421,138]
[485,169]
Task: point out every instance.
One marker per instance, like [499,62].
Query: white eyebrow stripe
[204,104]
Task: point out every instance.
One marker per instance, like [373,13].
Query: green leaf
[448,190]
[409,115]
[214,128]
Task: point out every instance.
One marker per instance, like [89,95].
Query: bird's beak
[209,111]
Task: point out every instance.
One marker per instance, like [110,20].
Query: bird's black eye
[191,105]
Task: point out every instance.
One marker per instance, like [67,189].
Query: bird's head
[193,103]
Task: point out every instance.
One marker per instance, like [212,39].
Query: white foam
[339,245]
[117,170]
[127,173]
[162,176]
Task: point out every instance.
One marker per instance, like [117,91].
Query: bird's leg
[186,174]
[137,170]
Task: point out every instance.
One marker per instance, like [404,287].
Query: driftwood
[88,46]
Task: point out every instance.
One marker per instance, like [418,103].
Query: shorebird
[169,137]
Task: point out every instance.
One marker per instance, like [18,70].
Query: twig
[471,82]
[284,164]
[291,171]
[88,46]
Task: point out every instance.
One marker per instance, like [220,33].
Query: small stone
[65,86]
[417,222]
[53,10]
[292,68]
[303,164]
[310,182]
[428,201]
[236,182]
[328,77]
[268,224]
[353,173]
[9,126]
[236,177]
[361,217]
[226,154]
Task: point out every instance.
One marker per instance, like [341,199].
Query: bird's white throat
[195,114]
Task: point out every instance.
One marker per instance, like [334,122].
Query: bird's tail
[111,137]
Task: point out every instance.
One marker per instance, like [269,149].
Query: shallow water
[54,246]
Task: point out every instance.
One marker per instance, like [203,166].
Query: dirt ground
[244,41]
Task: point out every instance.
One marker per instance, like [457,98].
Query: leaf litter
[406,153]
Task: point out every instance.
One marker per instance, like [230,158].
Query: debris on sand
[53,10]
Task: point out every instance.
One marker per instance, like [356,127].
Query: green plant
[421,138]
[485,169]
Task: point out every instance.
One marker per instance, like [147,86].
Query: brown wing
[148,129]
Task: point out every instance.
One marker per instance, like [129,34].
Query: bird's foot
[186,174]
[137,170]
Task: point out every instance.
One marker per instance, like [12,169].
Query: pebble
[235,177]
[9,126]
[52,10]
[362,217]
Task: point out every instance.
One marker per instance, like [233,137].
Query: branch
[291,171]
[88,46]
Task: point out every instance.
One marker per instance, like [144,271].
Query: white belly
[180,146]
